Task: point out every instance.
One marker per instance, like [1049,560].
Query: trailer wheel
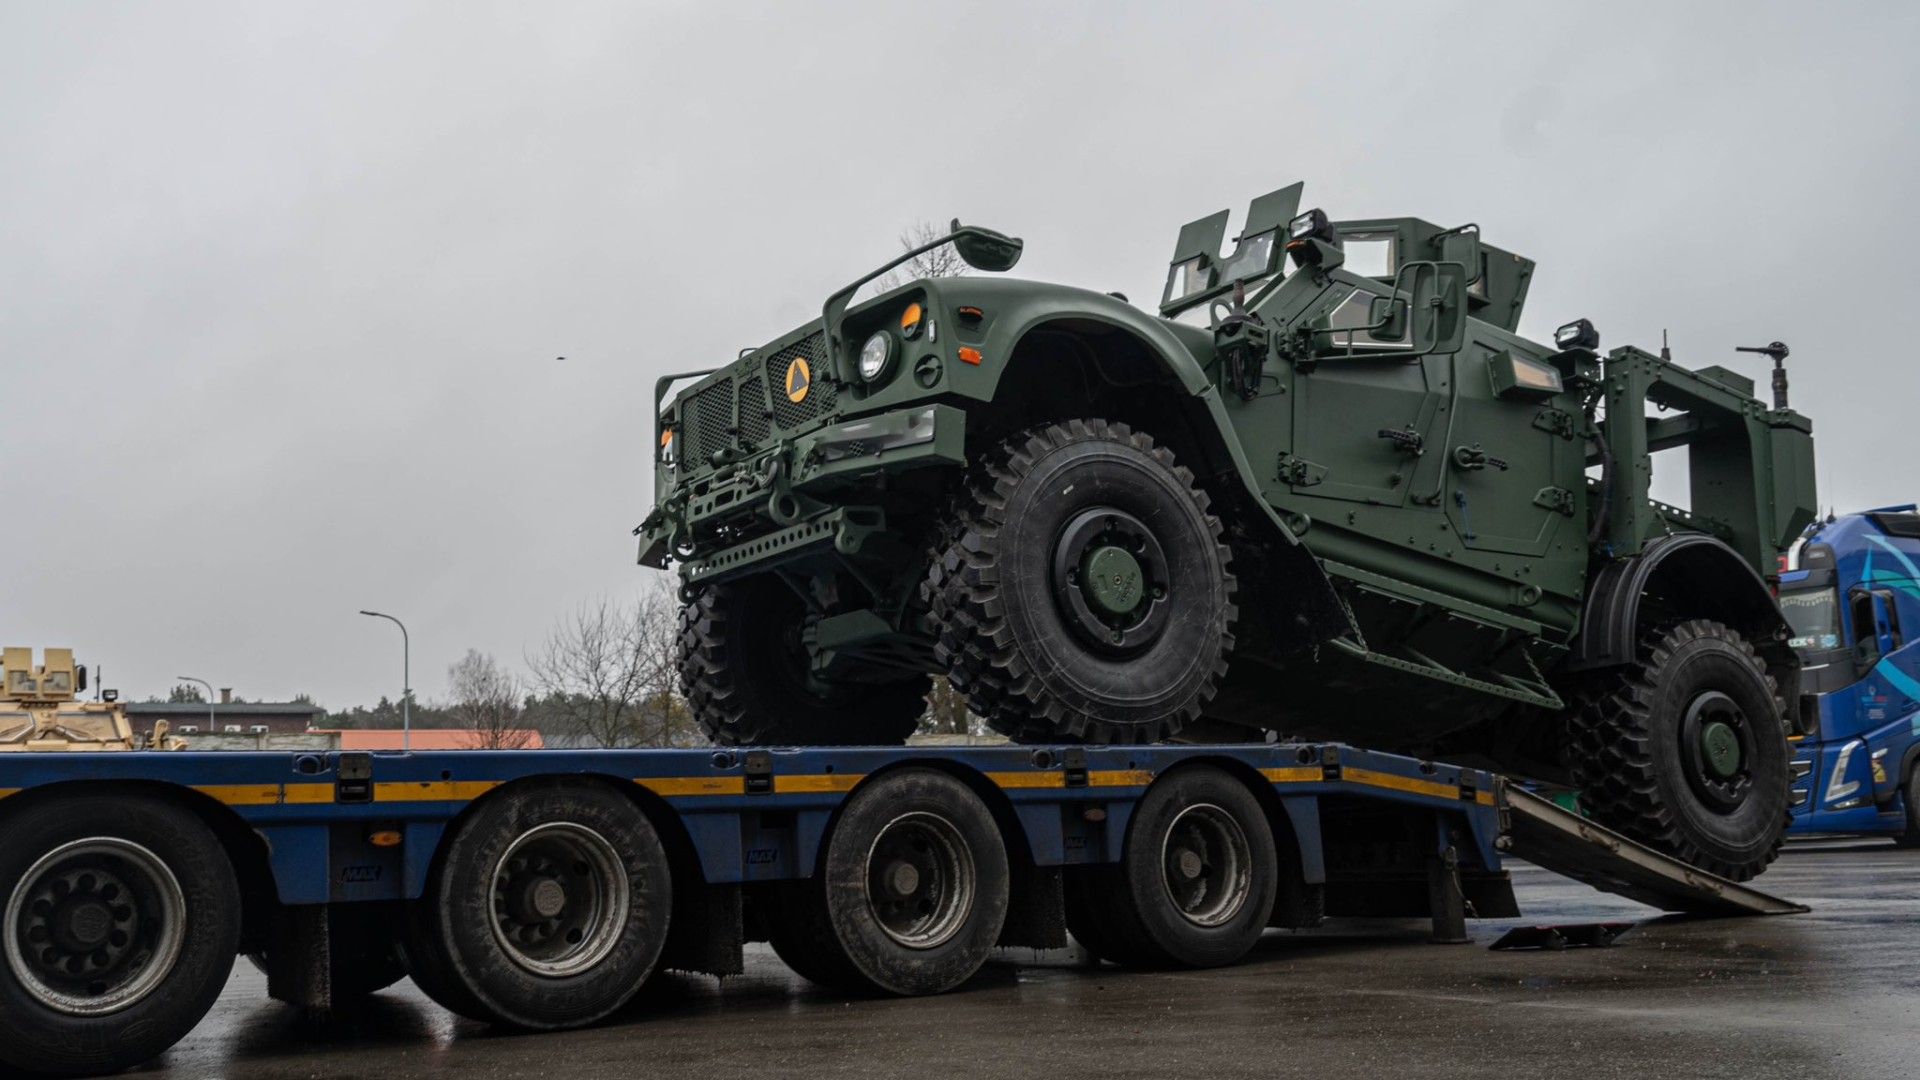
[1911,795]
[910,895]
[1087,594]
[1196,880]
[122,921]
[548,908]
[744,669]
[1685,750]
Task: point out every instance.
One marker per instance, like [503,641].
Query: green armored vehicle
[1327,491]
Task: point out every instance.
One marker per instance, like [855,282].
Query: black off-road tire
[1911,795]
[35,1037]
[599,844]
[744,672]
[1226,891]
[841,929]
[1632,763]
[1004,634]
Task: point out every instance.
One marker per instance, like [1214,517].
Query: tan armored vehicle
[40,708]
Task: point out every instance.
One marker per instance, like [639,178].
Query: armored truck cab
[1326,490]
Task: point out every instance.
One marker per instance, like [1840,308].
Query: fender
[1701,569]
[1022,307]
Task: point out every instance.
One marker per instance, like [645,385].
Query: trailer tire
[132,889]
[1088,892]
[1197,877]
[745,676]
[1911,796]
[910,895]
[547,908]
[1651,764]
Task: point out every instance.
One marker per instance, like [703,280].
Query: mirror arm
[836,305]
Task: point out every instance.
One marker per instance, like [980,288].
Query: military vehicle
[40,708]
[1327,490]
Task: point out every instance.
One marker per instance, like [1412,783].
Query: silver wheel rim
[920,880]
[1206,865]
[94,926]
[560,899]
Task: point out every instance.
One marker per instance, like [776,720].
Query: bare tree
[486,703]
[947,712]
[606,674]
[941,262]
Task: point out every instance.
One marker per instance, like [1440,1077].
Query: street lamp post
[213,726]
[406,679]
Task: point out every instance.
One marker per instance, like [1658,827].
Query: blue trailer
[539,890]
[1851,591]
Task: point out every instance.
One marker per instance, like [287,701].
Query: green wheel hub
[1111,581]
[1114,580]
[1720,749]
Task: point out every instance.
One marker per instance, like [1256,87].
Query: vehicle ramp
[1559,840]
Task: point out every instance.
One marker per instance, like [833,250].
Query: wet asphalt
[1829,994]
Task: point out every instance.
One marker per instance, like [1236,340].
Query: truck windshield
[1814,615]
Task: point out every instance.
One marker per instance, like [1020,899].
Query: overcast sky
[282,287]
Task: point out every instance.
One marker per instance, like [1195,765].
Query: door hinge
[1557,499]
[1555,421]
[1299,471]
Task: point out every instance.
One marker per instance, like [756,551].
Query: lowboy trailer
[539,890]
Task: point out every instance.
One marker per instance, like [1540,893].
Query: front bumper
[781,491]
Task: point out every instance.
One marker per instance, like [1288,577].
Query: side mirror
[984,249]
[1388,317]
[1461,245]
[80,678]
[1437,315]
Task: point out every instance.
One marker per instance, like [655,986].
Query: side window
[1892,611]
[1860,618]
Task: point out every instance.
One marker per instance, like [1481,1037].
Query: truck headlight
[876,355]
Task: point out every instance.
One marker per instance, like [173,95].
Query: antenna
[1778,351]
[1666,354]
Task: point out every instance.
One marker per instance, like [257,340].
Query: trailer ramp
[1559,840]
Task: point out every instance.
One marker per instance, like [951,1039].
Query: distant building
[228,716]
[431,739]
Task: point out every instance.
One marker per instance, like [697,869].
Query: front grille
[791,414]
[712,413]
[753,414]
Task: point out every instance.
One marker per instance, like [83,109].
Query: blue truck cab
[1850,589]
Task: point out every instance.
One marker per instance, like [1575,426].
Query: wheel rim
[1206,865]
[920,880]
[95,926]
[1111,581]
[1716,742]
[560,899]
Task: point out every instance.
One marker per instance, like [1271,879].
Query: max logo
[762,856]
[359,875]
[799,380]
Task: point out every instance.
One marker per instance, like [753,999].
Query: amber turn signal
[970,355]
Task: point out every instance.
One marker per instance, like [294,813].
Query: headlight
[875,354]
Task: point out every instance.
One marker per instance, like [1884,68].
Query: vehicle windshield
[1814,615]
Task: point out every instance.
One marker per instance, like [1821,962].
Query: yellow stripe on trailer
[815,783]
[1402,783]
[1294,774]
[671,786]
[1035,779]
[242,794]
[6,791]
[308,794]
[432,790]
[1120,778]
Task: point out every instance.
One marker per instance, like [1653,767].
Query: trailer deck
[537,889]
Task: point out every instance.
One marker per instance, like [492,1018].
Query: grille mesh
[753,414]
[712,411]
[786,412]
